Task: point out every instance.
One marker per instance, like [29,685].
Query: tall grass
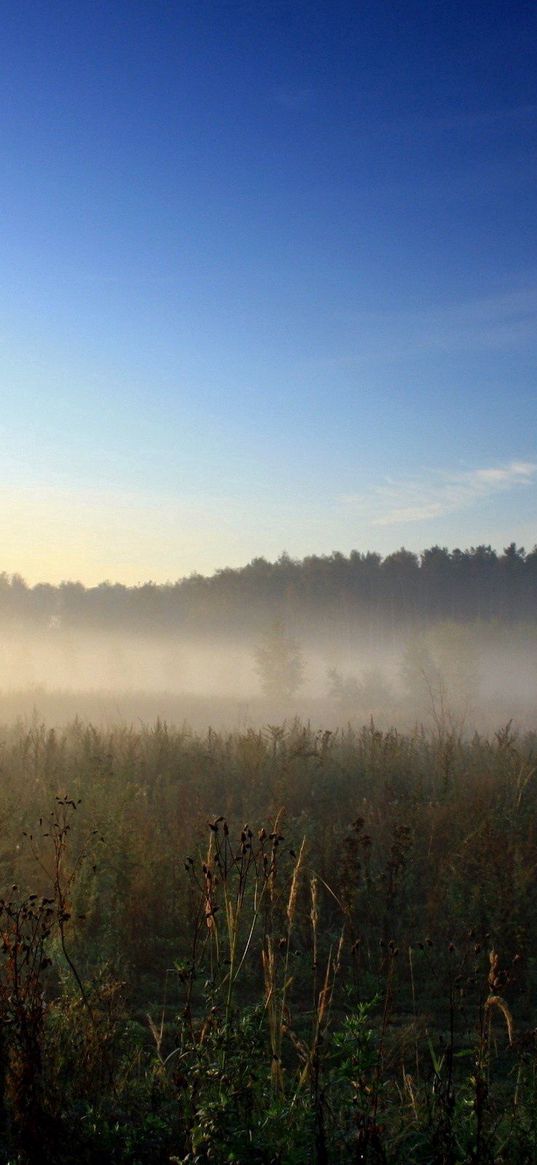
[348,977]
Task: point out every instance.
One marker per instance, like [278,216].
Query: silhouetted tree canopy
[402,590]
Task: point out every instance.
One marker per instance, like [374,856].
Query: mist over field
[448,639]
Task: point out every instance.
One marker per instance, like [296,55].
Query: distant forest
[403,590]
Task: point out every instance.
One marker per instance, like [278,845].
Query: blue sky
[269,281]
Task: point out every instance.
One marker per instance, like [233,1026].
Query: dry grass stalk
[293,891]
[497,1001]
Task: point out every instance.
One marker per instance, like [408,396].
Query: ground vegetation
[285,945]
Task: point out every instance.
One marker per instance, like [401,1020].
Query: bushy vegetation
[276,946]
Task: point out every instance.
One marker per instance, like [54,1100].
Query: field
[283,945]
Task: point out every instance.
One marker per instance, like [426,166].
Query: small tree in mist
[343,690]
[441,672]
[279,663]
[351,695]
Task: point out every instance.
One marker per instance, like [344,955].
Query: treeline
[401,590]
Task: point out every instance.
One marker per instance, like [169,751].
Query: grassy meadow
[284,945]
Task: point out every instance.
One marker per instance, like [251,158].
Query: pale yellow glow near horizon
[91,535]
[51,535]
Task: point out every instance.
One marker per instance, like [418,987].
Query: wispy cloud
[498,119]
[294,97]
[494,121]
[502,321]
[434,494]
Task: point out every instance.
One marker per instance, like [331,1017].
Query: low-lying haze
[449,676]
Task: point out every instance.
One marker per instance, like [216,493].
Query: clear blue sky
[269,281]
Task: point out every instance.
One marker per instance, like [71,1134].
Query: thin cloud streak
[504,321]
[294,98]
[493,121]
[421,499]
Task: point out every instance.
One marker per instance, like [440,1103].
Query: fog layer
[444,638]
[464,676]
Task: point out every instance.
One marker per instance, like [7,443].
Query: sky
[269,281]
